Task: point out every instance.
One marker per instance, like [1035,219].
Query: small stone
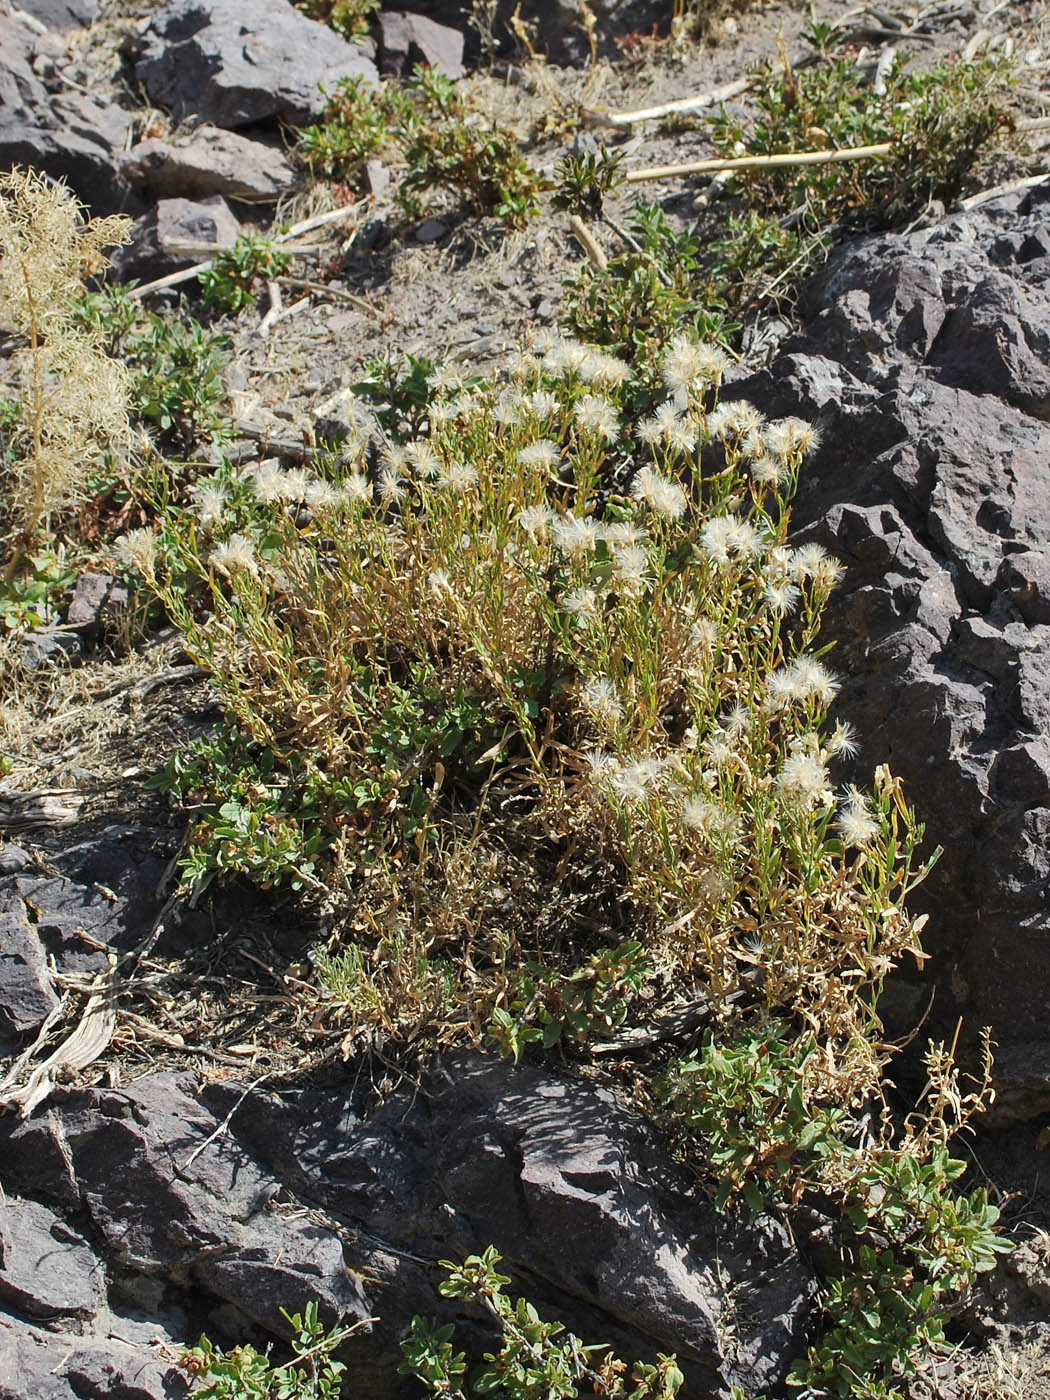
[408,39]
[177,234]
[50,646]
[430,230]
[26,994]
[377,178]
[89,597]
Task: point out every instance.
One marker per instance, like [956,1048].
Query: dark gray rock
[26,994]
[260,1202]
[37,1365]
[70,136]
[49,646]
[13,859]
[925,358]
[35,1159]
[572,1189]
[408,39]
[175,234]
[213,162]
[62,14]
[46,1269]
[235,65]
[200,1219]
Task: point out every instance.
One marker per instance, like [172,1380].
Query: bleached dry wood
[985,196]
[790,158]
[587,241]
[681,104]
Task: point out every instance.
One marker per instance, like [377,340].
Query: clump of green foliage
[176,383]
[247,1374]
[535,1358]
[71,404]
[646,293]
[428,125]
[940,122]
[351,18]
[231,281]
[905,1244]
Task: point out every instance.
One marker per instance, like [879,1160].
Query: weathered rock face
[925,359]
[61,14]
[234,65]
[69,135]
[302,1198]
[173,1205]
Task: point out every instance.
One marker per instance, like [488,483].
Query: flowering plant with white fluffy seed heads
[575,535]
[543,455]
[138,550]
[855,822]
[210,498]
[594,414]
[547,632]
[601,700]
[688,366]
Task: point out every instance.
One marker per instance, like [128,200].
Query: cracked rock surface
[925,359]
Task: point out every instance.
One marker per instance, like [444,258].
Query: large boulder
[925,359]
[234,65]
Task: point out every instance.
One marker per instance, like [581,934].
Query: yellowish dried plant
[74,396]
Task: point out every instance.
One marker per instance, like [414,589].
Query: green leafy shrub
[351,18]
[175,366]
[444,145]
[229,284]
[906,1244]
[633,306]
[246,1374]
[536,1358]
[940,122]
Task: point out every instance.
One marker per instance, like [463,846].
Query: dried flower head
[543,455]
[575,535]
[601,700]
[235,555]
[209,499]
[138,550]
[662,495]
[856,823]
[594,414]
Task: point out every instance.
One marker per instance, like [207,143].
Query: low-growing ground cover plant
[940,122]
[428,125]
[231,280]
[175,387]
